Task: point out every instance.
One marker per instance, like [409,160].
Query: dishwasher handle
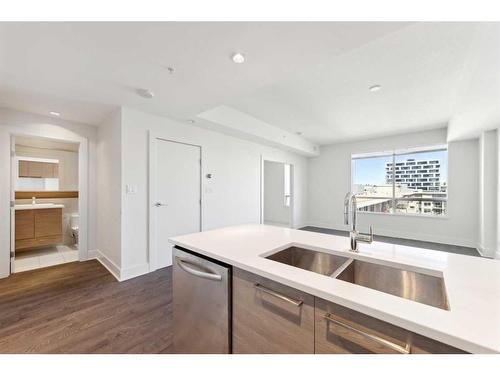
[208,274]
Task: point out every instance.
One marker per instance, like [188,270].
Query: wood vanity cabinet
[40,227]
[342,330]
[38,169]
[269,317]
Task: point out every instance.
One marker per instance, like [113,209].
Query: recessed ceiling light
[54,113]
[374,88]
[145,93]
[238,58]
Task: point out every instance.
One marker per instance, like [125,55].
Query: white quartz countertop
[37,206]
[472,283]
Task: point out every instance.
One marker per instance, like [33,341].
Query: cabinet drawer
[342,330]
[269,317]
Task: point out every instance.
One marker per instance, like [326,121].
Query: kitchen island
[465,320]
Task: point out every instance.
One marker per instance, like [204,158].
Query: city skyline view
[413,183]
[372,170]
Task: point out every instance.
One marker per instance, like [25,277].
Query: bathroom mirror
[37,174]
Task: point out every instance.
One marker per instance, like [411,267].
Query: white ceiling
[83,70]
[46,144]
[301,77]
[419,68]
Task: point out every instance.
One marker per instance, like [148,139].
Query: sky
[371,171]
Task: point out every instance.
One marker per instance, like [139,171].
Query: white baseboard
[119,273]
[486,253]
[106,262]
[131,272]
[410,236]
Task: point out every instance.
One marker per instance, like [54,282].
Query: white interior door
[177,202]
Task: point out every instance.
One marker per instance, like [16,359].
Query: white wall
[329,180]
[109,195]
[488,159]
[497,255]
[231,197]
[275,211]
[30,124]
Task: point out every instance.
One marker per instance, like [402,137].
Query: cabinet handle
[401,349]
[271,292]
[210,275]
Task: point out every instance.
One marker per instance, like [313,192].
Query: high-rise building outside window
[411,181]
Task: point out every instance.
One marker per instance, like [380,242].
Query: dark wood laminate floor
[80,308]
[406,242]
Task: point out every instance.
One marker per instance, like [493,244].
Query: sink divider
[341,269]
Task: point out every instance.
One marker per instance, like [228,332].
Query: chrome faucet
[354,235]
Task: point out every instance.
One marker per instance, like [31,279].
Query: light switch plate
[130,189]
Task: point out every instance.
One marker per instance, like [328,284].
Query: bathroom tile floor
[45,257]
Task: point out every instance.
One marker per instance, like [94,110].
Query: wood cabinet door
[48,222]
[342,330]
[23,168]
[35,168]
[47,170]
[55,170]
[25,224]
[269,317]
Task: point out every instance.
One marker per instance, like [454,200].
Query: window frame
[394,152]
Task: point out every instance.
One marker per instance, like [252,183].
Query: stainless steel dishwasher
[202,306]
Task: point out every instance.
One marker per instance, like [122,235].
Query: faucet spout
[350,203]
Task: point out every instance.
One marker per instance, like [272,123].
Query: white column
[488,190]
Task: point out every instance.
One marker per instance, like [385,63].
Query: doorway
[45,209]
[175,196]
[277,197]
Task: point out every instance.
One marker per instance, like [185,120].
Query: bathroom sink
[414,286]
[310,260]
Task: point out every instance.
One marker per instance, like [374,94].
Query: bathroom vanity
[294,291]
[38,225]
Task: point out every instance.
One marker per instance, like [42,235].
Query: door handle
[182,263]
[159,204]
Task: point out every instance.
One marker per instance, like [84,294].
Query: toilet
[74,223]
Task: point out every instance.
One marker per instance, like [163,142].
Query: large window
[402,181]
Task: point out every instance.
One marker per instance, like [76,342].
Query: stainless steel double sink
[411,285]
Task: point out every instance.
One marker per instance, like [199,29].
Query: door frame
[263,159]
[83,202]
[153,139]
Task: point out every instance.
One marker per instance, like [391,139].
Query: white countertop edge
[34,207]
[390,318]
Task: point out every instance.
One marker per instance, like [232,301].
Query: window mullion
[393,182]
